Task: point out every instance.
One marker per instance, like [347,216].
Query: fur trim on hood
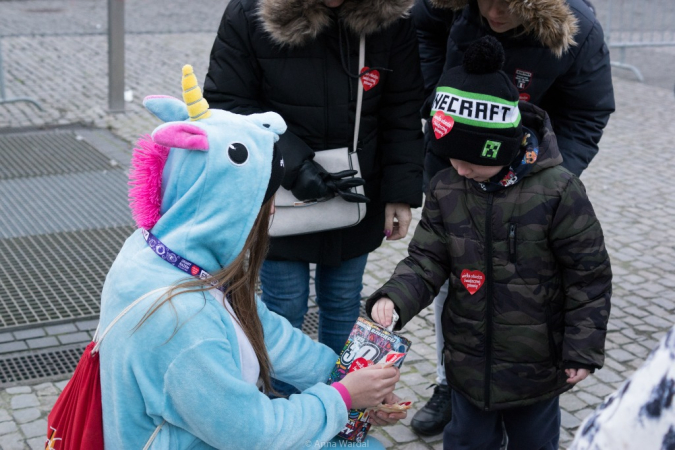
[295,22]
[549,21]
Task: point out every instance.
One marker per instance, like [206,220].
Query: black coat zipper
[512,243]
[488,298]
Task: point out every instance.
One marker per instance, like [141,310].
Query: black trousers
[533,427]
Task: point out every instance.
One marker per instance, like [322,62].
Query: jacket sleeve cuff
[576,365]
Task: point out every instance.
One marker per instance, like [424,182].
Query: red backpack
[76,420]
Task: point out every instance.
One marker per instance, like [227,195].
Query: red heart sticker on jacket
[194,270]
[370,79]
[472,280]
[359,363]
[442,124]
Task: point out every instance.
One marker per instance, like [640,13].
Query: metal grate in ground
[56,276]
[42,205]
[40,366]
[57,152]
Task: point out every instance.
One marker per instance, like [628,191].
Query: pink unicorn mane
[145,181]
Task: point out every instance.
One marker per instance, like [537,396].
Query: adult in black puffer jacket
[299,58]
[558,61]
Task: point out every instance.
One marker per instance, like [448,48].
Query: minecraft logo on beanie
[475,115]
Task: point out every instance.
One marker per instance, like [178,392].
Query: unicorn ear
[270,120]
[166,108]
[181,135]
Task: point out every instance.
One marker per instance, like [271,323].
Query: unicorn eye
[238,153]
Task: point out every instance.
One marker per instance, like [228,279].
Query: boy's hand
[576,375]
[383,418]
[383,311]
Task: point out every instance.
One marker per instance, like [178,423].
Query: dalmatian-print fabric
[641,414]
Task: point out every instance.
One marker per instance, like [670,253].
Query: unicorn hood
[198,182]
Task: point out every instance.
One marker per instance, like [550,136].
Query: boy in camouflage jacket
[530,279]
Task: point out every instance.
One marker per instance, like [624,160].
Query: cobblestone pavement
[53,52]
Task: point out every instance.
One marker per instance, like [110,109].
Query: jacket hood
[295,22]
[551,22]
[537,120]
[198,185]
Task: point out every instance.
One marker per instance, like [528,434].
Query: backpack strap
[154,435]
[98,339]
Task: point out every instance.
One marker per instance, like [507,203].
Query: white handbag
[294,216]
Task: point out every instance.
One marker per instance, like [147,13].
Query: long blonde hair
[239,280]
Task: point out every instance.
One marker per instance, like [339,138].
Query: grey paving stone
[621,355]
[567,420]
[29,333]
[87,325]
[12,441]
[35,428]
[45,389]
[24,401]
[61,329]
[73,338]
[37,443]
[401,433]
[19,390]
[6,337]
[13,346]
[572,402]
[61,385]
[44,342]
[4,415]
[6,428]
[27,415]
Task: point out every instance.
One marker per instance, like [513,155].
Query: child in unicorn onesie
[187,363]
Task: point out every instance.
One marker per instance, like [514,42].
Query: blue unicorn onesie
[198,187]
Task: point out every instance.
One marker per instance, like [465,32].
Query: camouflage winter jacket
[530,279]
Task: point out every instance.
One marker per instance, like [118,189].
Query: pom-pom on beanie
[475,116]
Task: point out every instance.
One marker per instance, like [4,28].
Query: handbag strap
[359,94]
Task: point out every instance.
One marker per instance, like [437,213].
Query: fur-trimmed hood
[549,21]
[295,22]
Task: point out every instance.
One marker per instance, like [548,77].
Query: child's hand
[383,418]
[383,311]
[576,375]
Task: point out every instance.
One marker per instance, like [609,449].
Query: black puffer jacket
[559,62]
[299,58]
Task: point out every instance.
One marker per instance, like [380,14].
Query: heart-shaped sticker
[359,363]
[472,280]
[370,79]
[442,124]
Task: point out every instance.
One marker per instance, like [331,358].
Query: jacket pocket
[552,347]
[512,243]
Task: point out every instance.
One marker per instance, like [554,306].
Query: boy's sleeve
[579,247]
[418,278]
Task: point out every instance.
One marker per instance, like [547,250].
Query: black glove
[314,182]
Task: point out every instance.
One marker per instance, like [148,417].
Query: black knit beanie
[475,114]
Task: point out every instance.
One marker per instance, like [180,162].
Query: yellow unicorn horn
[198,108]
